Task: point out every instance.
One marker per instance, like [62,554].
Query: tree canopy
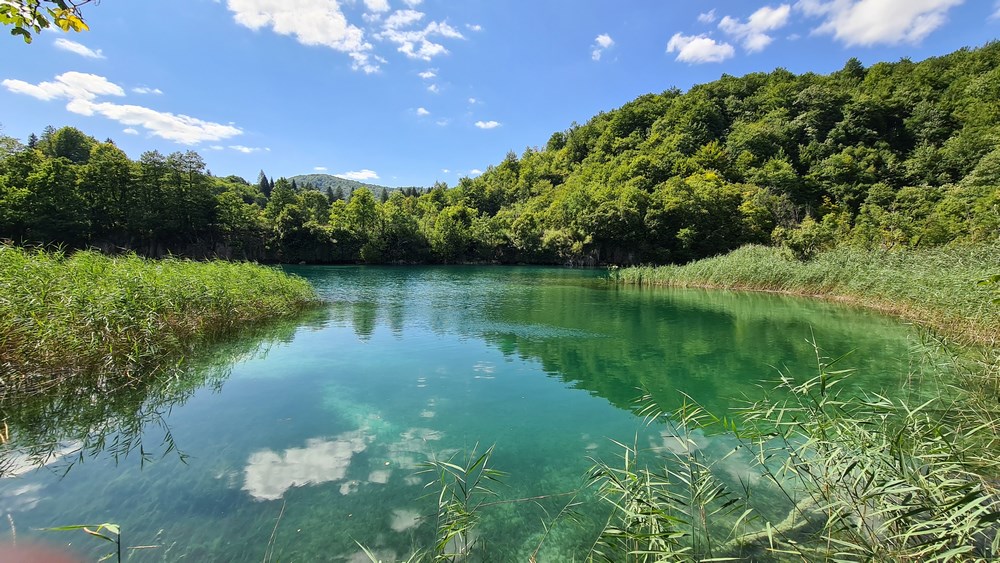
[900,154]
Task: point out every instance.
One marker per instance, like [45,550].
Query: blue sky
[409,92]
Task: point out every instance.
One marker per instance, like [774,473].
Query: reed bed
[936,287]
[63,315]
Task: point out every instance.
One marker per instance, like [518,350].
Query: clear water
[326,421]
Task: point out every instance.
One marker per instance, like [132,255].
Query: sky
[410,92]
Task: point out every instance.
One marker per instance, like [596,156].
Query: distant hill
[322,181]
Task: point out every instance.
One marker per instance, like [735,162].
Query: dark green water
[325,421]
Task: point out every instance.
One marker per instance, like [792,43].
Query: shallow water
[315,437]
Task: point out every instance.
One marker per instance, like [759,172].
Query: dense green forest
[900,154]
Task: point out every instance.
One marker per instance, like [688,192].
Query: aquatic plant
[461,491]
[936,286]
[124,317]
[865,477]
[858,477]
[107,531]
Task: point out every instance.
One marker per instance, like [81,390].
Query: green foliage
[881,478]
[461,492]
[32,16]
[865,478]
[899,155]
[935,286]
[67,315]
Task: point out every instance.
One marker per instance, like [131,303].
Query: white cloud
[475,172]
[360,175]
[697,49]
[403,18]
[81,90]
[487,124]
[996,13]
[377,6]
[427,74]
[872,22]
[130,131]
[473,101]
[311,22]
[79,49]
[445,171]
[320,168]
[69,85]
[707,17]
[602,42]
[473,27]
[753,33]
[147,90]
[416,43]
[433,89]
[413,3]
[172,127]
[216,148]
[248,150]
[422,112]
[442,122]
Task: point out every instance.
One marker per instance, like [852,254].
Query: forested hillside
[900,154]
[335,187]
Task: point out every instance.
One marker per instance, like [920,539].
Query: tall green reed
[866,477]
[118,317]
[936,286]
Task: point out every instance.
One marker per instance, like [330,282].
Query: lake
[303,440]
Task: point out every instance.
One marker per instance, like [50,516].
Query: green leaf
[23,32]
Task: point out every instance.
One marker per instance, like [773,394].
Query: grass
[123,317]
[935,287]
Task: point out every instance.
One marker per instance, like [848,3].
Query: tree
[32,16]
[280,198]
[69,143]
[105,183]
[361,214]
[56,209]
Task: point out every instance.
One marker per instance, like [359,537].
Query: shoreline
[934,288]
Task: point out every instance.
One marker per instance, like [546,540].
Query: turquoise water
[312,433]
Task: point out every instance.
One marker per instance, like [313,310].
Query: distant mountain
[322,181]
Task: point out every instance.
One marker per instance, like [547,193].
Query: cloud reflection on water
[269,474]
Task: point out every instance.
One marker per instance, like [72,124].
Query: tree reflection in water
[85,417]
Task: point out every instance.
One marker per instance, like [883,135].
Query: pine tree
[262,184]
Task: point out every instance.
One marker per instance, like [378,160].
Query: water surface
[326,421]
